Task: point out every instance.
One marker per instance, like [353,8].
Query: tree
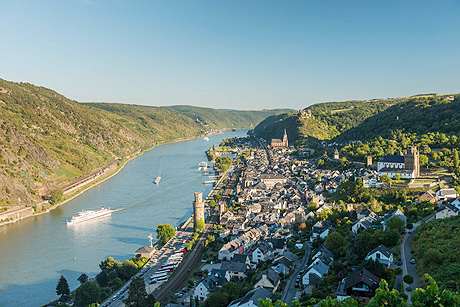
[102,278]
[216,196]
[335,241]
[423,160]
[385,178]
[83,278]
[231,289]
[455,159]
[165,232]
[433,256]
[128,269]
[312,206]
[433,297]
[199,226]
[117,283]
[408,279]
[56,196]
[62,287]
[216,299]
[109,264]
[212,203]
[88,293]
[137,296]
[385,297]
[209,240]
[396,223]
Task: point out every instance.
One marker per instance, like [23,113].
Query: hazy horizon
[232,55]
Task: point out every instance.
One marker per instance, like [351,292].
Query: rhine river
[34,252]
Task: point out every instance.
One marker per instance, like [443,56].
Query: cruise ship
[157,180]
[89,215]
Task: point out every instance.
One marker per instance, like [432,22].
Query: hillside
[436,250]
[419,114]
[322,121]
[225,118]
[48,140]
[364,120]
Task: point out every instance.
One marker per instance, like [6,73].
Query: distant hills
[364,120]
[47,139]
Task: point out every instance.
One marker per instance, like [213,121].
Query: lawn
[62,171]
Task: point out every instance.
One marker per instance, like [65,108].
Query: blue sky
[232,54]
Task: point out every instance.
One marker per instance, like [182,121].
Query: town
[279,226]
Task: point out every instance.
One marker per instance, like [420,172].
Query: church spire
[285,139]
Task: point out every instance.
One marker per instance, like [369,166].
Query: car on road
[412,261]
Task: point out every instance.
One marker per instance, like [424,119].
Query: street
[291,291]
[406,256]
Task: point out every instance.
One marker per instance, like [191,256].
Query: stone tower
[336,154]
[285,139]
[369,161]
[411,160]
[198,207]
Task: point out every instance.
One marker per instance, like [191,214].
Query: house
[261,253]
[372,181]
[242,259]
[382,254]
[365,212]
[359,285]
[236,270]
[321,229]
[145,251]
[361,224]
[251,299]
[429,195]
[446,211]
[445,194]
[268,279]
[213,281]
[398,213]
[315,272]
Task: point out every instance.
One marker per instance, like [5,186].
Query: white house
[361,224]
[445,194]
[315,272]
[382,254]
[446,211]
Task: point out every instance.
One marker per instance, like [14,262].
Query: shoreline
[95,183]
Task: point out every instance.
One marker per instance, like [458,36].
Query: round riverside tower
[198,207]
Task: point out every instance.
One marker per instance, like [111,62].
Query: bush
[409,226]
[408,279]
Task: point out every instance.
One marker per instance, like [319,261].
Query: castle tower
[198,207]
[411,160]
[336,154]
[285,139]
[369,161]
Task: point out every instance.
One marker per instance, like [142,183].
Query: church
[277,143]
[407,165]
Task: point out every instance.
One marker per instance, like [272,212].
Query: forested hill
[322,121]
[47,139]
[361,120]
[225,118]
[419,114]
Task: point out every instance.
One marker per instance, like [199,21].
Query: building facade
[277,143]
[406,165]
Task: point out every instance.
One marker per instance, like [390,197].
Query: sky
[238,54]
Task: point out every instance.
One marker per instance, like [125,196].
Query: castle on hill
[277,143]
[406,165]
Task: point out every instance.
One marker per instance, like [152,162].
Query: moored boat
[157,180]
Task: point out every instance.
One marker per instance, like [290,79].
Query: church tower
[411,160]
[285,139]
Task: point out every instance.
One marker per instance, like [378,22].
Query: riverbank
[9,217]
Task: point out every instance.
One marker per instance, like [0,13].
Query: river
[34,252]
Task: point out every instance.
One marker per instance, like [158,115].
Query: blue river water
[36,251]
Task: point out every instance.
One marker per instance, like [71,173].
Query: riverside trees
[62,287]
[165,232]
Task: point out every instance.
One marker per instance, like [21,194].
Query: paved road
[406,256]
[290,289]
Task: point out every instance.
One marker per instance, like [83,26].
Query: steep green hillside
[225,118]
[436,247]
[321,121]
[419,114]
[48,140]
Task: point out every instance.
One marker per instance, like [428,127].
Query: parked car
[412,261]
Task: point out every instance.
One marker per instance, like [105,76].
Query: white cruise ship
[88,215]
